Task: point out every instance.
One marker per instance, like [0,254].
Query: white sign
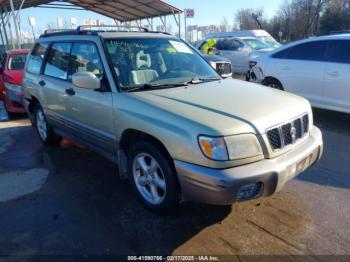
[32,21]
[189,13]
[86,22]
[73,22]
[90,22]
[280,33]
[59,22]
[93,22]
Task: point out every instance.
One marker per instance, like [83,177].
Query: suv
[316,68]
[153,105]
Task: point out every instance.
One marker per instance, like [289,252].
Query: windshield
[256,44]
[142,61]
[270,41]
[17,62]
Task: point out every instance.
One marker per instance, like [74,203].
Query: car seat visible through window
[143,73]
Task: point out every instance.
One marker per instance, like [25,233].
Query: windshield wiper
[150,86]
[198,80]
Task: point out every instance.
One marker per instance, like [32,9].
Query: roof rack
[55,30]
[126,28]
[87,30]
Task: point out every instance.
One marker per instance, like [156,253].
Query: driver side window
[85,58]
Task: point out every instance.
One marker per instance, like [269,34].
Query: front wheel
[152,177]
[45,131]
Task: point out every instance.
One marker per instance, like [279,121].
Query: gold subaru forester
[175,128]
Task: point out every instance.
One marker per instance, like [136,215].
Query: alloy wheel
[149,178]
[41,124]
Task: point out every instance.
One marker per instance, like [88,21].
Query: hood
[228,107]
[257,53]
[14,76]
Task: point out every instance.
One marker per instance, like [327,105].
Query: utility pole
[185,27]
[4,28]
[15,21]
[10,29]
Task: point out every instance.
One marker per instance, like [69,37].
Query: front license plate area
[300,166]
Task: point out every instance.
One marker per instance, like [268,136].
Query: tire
[156,183]
[44,130]
[273,83]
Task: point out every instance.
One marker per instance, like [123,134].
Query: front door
[337,76]
[90,110]
[301,70]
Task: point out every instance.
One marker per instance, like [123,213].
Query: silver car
[175,128]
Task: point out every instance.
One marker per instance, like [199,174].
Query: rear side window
[339,51]
[281,54]
[57,61]
[311,51]
[228,44]
[36,58]
[17,62]
[85,58]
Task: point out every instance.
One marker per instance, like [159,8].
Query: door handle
[42,83]
[70,92]
[334,73]
[285,68]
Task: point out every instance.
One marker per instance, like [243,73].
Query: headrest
[143,60]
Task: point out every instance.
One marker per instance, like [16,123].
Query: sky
[206,12]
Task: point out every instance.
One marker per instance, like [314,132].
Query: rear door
[54,80]
[90,110]
[337,76]
[238,55]
[301,68]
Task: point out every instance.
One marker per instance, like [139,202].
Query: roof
[311,39]
[105,34]
[121,10]
[18,51]
[134,35]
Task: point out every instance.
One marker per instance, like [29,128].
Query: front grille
[287,134]
[306,123]
[223,68]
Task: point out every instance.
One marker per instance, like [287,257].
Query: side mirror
[86,80]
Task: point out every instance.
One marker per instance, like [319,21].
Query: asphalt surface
[74,204]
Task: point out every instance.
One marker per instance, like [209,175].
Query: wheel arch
[31,103]
[271,78]
[130,136]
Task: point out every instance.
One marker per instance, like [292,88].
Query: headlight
[243,146]
[230,147]
[213,64]
[213,147]
[13,87]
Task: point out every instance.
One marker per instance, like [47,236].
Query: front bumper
[255,75]
[220,187]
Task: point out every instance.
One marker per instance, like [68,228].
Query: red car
[11,76]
